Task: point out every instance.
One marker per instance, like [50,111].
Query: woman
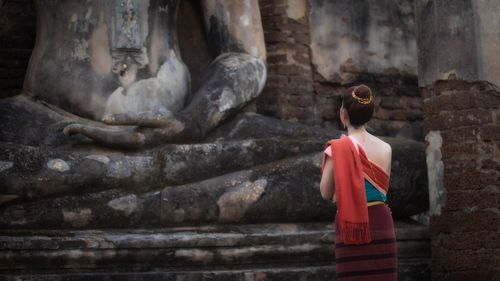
[356,171]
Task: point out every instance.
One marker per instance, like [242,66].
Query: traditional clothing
[365,242]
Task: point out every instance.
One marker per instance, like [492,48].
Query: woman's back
[377,151]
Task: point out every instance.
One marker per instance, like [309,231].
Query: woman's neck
[359,131]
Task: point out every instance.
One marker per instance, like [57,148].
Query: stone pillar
[289,91]
[459,67]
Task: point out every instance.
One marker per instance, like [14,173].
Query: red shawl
[349,169]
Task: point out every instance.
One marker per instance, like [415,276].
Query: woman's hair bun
[358,101]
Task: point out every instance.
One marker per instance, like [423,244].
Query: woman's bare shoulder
[383,154]
[382,145]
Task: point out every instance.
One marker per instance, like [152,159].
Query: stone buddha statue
[119,62]
[110,131]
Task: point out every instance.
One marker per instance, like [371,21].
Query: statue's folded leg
[232,80]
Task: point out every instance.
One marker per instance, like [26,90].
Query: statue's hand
[143,119]
[131,130]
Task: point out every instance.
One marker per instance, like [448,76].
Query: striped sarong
[374,261]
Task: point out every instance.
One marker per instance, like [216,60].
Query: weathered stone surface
[468,26]
[250,125]
[464,173]
[30,123]
[353,37]
[297,179]
[94,187]
[412,270]
[285,190]
[86,178]
[407,156]
[201,250]
[27,176]
[403,199]
[337,44]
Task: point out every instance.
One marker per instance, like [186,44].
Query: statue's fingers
[173,125]
[73,129]
[60,126]
[112,119]
[132,119]
[142,119]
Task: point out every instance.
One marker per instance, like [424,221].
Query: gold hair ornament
[360,99]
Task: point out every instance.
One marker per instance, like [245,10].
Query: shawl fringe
[354,233]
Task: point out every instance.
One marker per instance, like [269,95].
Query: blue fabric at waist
[372,194]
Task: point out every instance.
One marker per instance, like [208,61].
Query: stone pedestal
[204,252]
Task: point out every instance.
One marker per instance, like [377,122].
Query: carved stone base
[209,252]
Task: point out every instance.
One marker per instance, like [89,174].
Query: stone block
[460,118]
[271,10]
[276,59]
[302,58]
[287,70]
[302,38]
[302,101]
[275,37]
[490,132]
[461,134]
[489,274]
[391,103]
[458,200]
[462,180]
[470,240]
[446,260]
[469,219]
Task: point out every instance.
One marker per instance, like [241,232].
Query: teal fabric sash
[372,194]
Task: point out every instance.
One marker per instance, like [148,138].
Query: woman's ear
[344,117]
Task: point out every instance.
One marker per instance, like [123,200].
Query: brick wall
[17,37]
[465,235]
[295,90]
[289,90]
[398,104]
